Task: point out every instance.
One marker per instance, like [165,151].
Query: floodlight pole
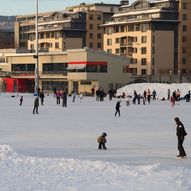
[36,54]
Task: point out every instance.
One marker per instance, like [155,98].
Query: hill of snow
[160,88]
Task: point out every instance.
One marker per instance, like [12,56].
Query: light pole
[179,76]
[170,72]
[36,53]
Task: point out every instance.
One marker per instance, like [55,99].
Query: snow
[160,88]
[57,149]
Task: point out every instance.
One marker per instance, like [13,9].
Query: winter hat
[176,119]
[104,134]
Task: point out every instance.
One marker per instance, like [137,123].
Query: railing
[126,44]
[54,73]
[22,73]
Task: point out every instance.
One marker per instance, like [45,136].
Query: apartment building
[96,14]
[7,31]
[150,34]
[75,27]
[184,52]
[77,69]
[57,31]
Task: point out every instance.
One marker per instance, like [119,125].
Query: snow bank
[44,174]
[160,88]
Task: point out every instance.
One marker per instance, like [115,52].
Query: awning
[76,66]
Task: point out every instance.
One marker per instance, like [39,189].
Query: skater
[21,100]
[127,100]
[64,99]
[101,140]
[36,105]
[81,96]
[180,133]
[58,95]
[117,107]
[73,96]
[42,98]
[172,100]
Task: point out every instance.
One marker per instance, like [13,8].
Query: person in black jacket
[117,107]
[36,105]
[42,98]
[180,133]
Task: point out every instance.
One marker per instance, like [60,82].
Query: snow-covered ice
[57,150]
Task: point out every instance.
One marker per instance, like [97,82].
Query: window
[91,68]
[109,51]
[91,45]
[109,41]
[98,27]
[143,61]
[109,31]
[143,50]
[99,45]
[134,71]
[54,67]
[153,61]
[56,35]
[122,29]
[184,17]
[133,61]
[59,85]
[184,5]
[91,35]
[117,51]
[153,39]
[137,27]
[32,46]
[116,28]
[183,60]
[57,45]
[83,82]
[143,39]
[153,50]
[117,40]
[91,17]
[99,35]
[183,49]
[91,26]
[143,71]
[184,28]
[99,17]
[184,39]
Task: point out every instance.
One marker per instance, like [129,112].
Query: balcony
[53,73]
[126,44]
[23,74]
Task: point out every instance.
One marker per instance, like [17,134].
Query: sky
[22,7]
[56,150]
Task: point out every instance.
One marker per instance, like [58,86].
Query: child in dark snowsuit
[101,141]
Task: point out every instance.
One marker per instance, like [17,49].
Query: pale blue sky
[21,7]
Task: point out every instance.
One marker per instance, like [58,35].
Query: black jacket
[180,131]
[117,105]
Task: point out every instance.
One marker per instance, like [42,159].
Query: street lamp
[170,72]
[36,54]
[179,76]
